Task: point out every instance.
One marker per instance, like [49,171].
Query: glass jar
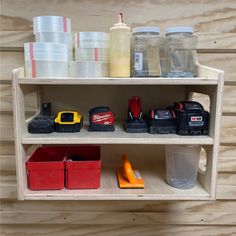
[149,55]
[182,51]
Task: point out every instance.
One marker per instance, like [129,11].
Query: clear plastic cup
[182,165]
[51,24]
[91,40]
[88,69]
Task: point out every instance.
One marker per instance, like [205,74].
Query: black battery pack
[192,119]
[162,122]
[42,123]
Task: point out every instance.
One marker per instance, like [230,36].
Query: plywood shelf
[66,93]
[120,81]
[155,189]
[119,136]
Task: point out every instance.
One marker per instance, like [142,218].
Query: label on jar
[138,65]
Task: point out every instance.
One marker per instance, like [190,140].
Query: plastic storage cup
[182,52]
[149,55]
[182,165]
[46,59]
[57,37]
[51,24]
[91,40]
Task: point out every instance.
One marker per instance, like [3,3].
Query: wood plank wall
[215,23]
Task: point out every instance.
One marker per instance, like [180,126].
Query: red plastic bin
[85,171]
[45,168]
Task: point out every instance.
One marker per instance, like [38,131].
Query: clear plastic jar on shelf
[182,49]
[149,52]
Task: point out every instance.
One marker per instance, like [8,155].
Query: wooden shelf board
[155,189]
[121,81]
[119,136]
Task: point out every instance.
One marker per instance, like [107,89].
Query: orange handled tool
[127,177]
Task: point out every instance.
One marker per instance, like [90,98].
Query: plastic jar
[182,165]
[182,46]
[46,59]
[149,52]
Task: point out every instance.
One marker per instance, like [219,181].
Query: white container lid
[51,24]
[146,29]
[171,30]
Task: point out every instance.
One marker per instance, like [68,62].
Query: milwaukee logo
[196,118]
[101,117]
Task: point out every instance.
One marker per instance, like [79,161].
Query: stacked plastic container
[55,29]
[46,60]
[91,55]
[49,56]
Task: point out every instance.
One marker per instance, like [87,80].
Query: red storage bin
[45,168]
[83,167]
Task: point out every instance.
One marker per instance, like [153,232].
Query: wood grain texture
[208,16]
[223,61]
[207,42]
[228,130]
[226,188]
[215,21]
[227,160]
[116,230]
[9,61]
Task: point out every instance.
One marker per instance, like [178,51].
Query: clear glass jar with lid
[182,50]
[149,56]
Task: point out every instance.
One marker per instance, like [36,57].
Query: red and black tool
[101,119]
[135,120]
[162,121]
[192,119]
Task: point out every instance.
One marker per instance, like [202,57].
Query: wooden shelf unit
[82,94]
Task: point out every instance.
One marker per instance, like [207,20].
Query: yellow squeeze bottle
[120,49]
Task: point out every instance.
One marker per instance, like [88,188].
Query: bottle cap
[179,30]
[146,29]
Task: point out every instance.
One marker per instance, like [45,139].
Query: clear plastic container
[51,24]
[92,54]
[182,165]
[88,69]
[57,37]
[149,55]
[91,40]
[182,46]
